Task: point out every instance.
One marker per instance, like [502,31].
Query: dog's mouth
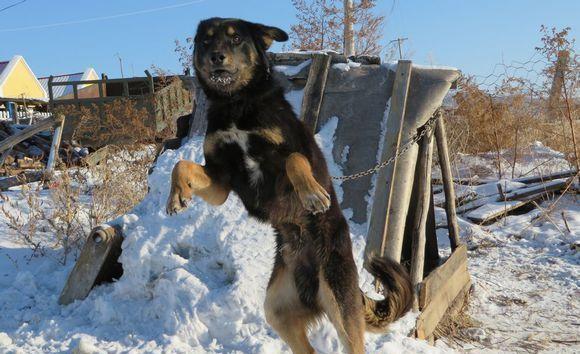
[222,77]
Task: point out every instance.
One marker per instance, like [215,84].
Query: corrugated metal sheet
[59,91]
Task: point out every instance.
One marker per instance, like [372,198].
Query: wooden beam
[535,179]
[444,162]
[43,125]
[101,251]
[314,90]
[20,179]
[421,213]
[380,213]
[451,285]
[55,146]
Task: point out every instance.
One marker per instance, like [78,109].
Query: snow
[291,70]
[192,283]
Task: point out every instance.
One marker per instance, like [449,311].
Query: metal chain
[428,127]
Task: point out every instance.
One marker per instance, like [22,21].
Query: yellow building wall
[21,82]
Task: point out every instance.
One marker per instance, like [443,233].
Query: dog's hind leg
[286,314]
[340,299]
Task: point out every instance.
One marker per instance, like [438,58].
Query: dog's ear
[269,34]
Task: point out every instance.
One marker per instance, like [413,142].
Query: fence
[4,115]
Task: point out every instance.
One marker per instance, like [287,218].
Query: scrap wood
[490,211]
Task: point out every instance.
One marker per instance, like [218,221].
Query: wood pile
[33,152]
[485,208]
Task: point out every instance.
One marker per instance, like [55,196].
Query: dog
[256,147]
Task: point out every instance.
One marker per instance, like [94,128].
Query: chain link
[428,127]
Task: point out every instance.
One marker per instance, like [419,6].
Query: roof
[3,65]
[6,68]
[59,91]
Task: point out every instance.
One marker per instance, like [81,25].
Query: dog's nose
[217,58]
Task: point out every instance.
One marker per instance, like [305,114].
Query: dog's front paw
[175,203]
[315,198]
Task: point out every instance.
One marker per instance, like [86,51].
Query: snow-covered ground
[195,282]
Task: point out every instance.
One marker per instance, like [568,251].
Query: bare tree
[322,23]
[319,25]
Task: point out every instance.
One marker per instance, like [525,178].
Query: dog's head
[230,53]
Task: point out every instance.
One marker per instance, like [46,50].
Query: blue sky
[468,34]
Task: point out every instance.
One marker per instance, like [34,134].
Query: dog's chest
[233,136]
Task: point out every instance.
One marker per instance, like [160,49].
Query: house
[20,90]
[64,92]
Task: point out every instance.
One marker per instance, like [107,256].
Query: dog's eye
[206,41]
[237,39]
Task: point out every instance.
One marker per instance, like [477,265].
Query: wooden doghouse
[401,220]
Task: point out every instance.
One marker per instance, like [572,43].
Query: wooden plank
[20,179]
[434,311]
[448,188]
[314,90]
[437,279]
[377,235]
[491,210]
[55,146]
[535,179]
[101,251]
[28,132]
[530,191]
[422,211]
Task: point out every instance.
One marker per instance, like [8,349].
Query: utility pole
[121,65]
[348,29]
[399,43]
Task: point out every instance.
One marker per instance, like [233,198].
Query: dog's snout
[217,58]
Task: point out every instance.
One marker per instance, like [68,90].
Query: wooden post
[55,146]
[314,90]
[198,122]
[348,29]
[378,225]
[151,82]
[421,213]
[443,154]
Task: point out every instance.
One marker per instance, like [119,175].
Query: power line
[102,18]
[11,6]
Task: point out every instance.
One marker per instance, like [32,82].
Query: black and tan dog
[257,148]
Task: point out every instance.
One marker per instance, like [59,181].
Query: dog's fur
[256,147]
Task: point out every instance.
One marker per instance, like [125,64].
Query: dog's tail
[397,290]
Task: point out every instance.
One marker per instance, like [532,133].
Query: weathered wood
[490,210]
[436,308]
[20,179]
[432,258]
[550,177]
[4,156]
[521,193]
[444,162]
[101,251]
[380,214]
[422,211]
[28,132]
[433,283]
[55,146]
[198,123]
[314,90]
